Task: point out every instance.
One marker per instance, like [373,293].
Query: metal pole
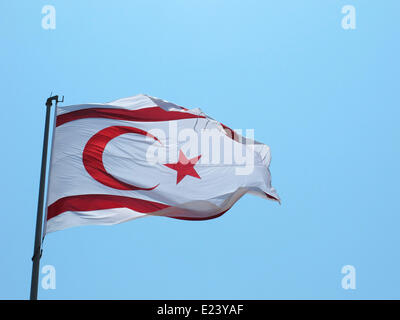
[37,250]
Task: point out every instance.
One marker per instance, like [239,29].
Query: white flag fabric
[142,156]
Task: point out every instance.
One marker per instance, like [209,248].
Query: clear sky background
[325,99]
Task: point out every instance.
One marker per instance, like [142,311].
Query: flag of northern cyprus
[143,156]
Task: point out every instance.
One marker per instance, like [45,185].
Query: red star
[184,167]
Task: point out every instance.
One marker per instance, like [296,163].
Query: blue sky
[323,98]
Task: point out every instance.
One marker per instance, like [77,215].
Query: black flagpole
[37,250]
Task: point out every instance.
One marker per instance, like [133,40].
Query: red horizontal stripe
[230,133]
[199,218]
[272,198]
[141,115]
[90,202]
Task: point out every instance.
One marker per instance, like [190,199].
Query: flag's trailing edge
[141,156]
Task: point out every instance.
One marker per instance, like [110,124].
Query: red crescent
[92,156]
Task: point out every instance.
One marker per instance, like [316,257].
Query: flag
[143,156]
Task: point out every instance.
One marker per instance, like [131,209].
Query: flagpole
[37,250]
